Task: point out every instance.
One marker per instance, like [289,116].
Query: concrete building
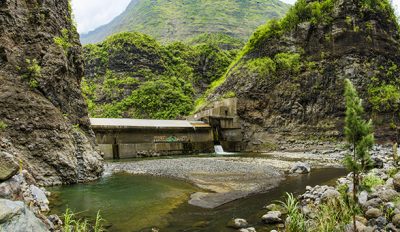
[129,138]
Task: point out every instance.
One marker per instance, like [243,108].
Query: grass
[297,221]
[72,224]
[330,216]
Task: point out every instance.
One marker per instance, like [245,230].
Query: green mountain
[289,78]
[132,75]
[168,20]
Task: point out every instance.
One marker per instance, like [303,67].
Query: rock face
[182,19]
[43,116]
[289,80]
[15,216]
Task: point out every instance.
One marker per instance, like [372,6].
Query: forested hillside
[132,75]
[180,20]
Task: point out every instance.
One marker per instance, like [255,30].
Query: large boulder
[8,166]
[16,217]
[300,168]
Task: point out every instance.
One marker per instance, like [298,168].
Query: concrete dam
[132,138]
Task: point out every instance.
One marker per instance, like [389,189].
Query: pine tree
[360,138]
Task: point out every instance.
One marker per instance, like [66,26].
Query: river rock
[250,229]
[8,166]
[363,197]
[396,220]
[40,197]
[373,213]
[378,162]
[238,223]
[329,195]
[385,195]
[374,203]
[272,217]
[300,168]
[16,217]
[359,226]
[396,182]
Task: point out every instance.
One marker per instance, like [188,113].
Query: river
[139,203]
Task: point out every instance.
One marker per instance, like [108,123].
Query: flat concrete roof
[124,123]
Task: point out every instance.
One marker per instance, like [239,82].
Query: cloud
[90,14]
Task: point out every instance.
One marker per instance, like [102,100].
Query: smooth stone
[249,229]
[373,213]
[329,195]
[238,223]
[396,220]
[272,217]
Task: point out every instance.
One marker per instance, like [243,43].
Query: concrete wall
[142,142]
[222,116]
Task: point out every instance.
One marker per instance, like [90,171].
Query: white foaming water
[219,150]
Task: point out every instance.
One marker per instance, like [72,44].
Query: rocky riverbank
[23,204]
[378,200]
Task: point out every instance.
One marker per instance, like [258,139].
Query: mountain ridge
[183,19]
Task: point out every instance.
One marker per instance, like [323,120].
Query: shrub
[384,98]
[371,181]
[288,61]
[63,40]
[262,66]
[3,125]
[32,73]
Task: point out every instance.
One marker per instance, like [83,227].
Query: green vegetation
[333,215]
[297,222]
[3,125]
[32,73]
[132,75]
[71,224]
[181,20]
[359,135]
[317,13]
[63,40]
[371,181]
[262,66]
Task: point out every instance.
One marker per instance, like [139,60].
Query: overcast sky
[90,14]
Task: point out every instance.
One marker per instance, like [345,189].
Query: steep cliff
[289,77]
[43,116]
[182,19]
[132,75]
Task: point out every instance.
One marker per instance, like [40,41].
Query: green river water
[139,203]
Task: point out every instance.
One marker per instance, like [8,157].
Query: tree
[360,138]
